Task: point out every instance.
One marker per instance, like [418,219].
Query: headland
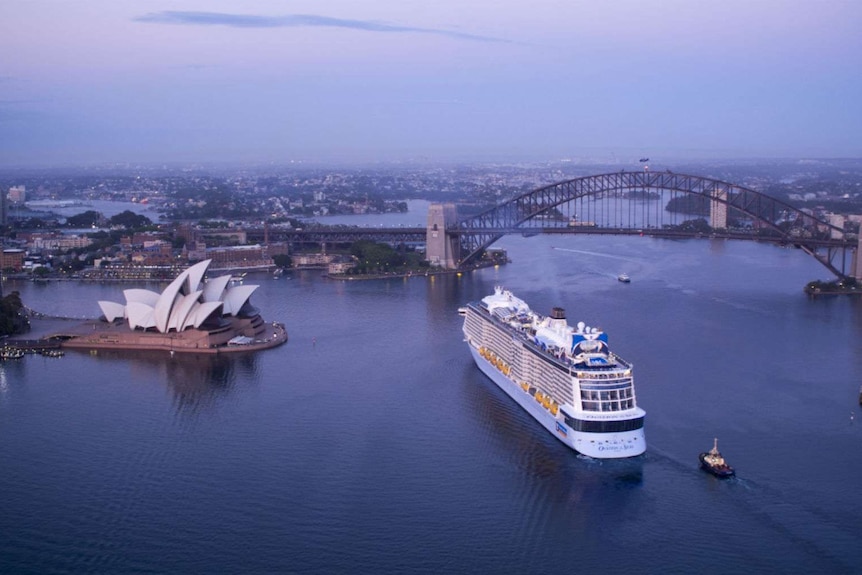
[191,315]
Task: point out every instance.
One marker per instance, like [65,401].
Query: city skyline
[339,81]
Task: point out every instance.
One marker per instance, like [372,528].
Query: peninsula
[191,315]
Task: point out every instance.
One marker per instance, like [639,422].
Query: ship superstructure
[565,377]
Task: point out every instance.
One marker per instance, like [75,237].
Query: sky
[102,81]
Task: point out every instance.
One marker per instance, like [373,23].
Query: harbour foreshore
[95,334]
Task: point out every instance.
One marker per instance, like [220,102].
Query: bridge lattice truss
[634,203]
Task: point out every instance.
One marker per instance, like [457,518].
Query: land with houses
[192,213]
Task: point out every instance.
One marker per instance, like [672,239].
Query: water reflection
[4,383]
[520,437]
[196,382]
[556,488]
[12,372]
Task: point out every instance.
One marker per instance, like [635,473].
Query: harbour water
[370,443]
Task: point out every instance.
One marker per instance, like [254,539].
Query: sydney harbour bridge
[638,203]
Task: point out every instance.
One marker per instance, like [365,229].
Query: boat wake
[598,254]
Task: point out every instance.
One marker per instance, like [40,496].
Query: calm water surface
[370,443]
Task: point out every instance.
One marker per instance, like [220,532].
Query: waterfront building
[155,253]
[185,303]
[58,242]
[12,259]
[240,257]
[222,236]
[340,265]
[190,315]
[313,260]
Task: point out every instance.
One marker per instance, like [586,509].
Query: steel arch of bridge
[522,213]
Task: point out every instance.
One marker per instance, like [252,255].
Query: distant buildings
[57,242]
[240,257]
[17,195]
[12,259]
[3,209]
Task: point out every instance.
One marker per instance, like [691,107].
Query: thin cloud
[297,21]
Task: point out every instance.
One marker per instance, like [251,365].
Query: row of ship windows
[593,375]
[608,405]
[600,387]
[607,395]
[609,380]
[605,426]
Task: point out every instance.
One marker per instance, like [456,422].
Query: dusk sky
[343,80]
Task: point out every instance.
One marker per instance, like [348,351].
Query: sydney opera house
[190,315]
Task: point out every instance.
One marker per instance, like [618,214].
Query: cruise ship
[565,377]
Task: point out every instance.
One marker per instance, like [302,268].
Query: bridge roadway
[344,234]
[339,234]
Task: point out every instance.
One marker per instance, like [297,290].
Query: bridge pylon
[718,209]
[856,262]
[442,249]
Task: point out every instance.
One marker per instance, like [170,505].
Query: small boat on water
[624,278]
[11,353]
[713,462]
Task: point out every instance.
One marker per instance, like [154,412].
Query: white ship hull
[598,445]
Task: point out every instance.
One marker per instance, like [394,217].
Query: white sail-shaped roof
[186,302]
[181,310]
[140,315]
[203,311]
[146,296]
[214,288]
[112,310]
[236,297]
[167,301]
[195,275]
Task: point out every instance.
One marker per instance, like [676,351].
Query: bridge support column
[441,249]
[856,261]
[718,210]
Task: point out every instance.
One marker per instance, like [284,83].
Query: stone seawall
[189,341]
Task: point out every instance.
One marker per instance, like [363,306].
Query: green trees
[376,258]
[127,219]
[283,261]
[86,219]
[130,220]
[12,318]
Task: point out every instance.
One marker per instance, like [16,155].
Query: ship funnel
[558,313]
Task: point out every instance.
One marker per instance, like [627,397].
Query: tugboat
[713,462]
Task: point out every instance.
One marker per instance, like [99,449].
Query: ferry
[565,377]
